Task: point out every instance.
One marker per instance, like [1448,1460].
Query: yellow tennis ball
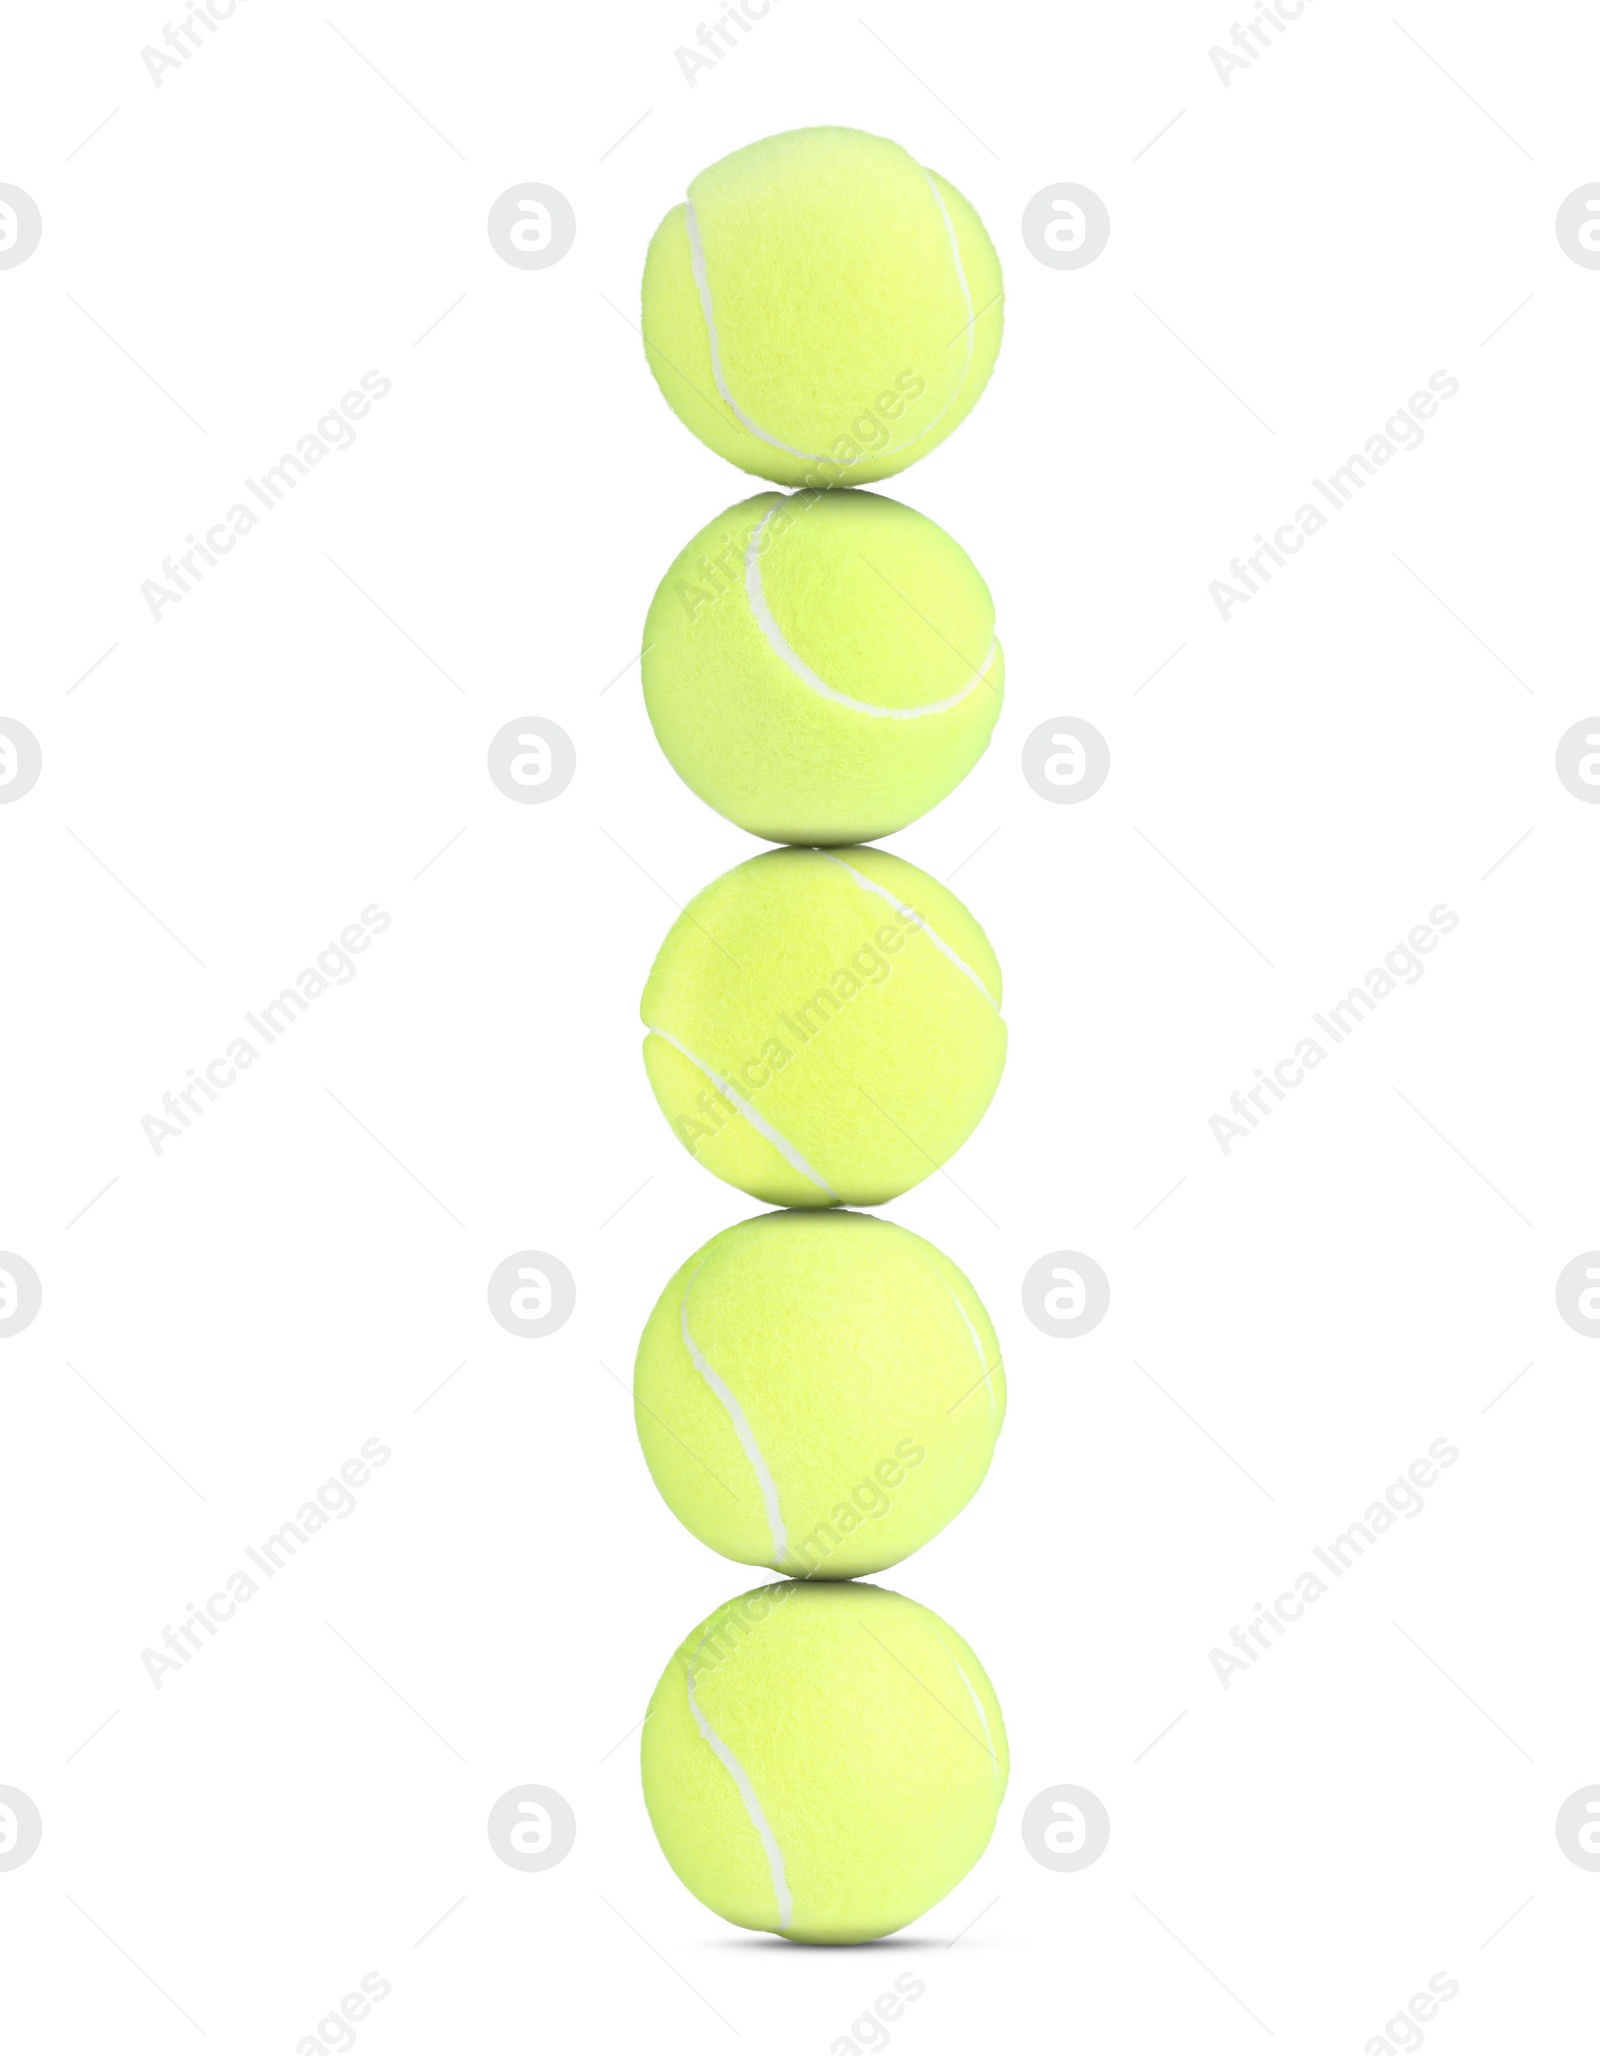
[821,310]
[818,1392]
[822,668]
[824,1026]
[825,1762]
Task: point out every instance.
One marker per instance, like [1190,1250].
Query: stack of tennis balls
[819,1391]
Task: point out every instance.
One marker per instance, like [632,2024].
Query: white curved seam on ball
[925,926]
[697,261]
[966,297]
[752,1805]
[781,1144]
[765,621]
[983,1718]
[741,1427]
[697,264]
[983,1356]
[922,434]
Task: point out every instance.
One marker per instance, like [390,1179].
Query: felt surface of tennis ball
[823,1762]
[821,310]
[824,1026]
[822,668]
[818,1392]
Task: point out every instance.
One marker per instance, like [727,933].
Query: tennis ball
[823,1761]
[822,668]
[818,1392]
[824,1026]
[821,310]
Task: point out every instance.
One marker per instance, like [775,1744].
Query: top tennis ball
[822,310]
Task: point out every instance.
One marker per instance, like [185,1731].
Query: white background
[305,1802]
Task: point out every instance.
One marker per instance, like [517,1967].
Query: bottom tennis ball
[823,1761]
[818,1392]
